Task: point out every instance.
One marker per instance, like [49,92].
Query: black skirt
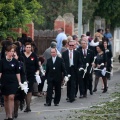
[9,84]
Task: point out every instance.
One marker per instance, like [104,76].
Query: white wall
[116,50]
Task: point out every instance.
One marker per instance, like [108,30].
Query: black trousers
[40,86]
[71,84]
[85,83]
[90,86]
[57,87]
[77,86]
[81,86]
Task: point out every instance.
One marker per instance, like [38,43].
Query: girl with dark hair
[100,64]
[41,60]
[109,55]
[20,95]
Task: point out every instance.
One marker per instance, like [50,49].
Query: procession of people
[70,62]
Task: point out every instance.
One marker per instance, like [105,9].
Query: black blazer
[54,70]
[88,59]
[76,60]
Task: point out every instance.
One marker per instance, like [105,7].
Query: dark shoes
[56,104]
[47,104]
[72,100]
[81,96]
[15,115]
[9,119]
[67,98]
[94,90]
[37,94]
[91,92]
[104,91]
[27,110]
[85,96]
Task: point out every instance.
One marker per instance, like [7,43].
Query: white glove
[66,78]
[101,64]
[69,75]
[85,71]
[112,65]
[103,71]
[25,87]
[21,85]
[38,79]
[81,69]
[45,86]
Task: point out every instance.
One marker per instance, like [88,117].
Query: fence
[43,39]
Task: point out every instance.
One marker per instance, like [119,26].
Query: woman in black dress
[32,67]
[109,55]
[10,80]
[101,59]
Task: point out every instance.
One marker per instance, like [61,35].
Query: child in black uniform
[20,95]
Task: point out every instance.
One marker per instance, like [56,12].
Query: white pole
[80,18]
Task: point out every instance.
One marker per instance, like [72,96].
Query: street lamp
[79,17]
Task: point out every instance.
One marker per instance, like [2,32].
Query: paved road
[39,112]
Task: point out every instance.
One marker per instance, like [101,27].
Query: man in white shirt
[55,70]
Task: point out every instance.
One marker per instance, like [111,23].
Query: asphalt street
[40,112]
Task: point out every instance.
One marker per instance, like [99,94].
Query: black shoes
[85,96]
[91,92]
[72,100]
[47,104]
[81,96]
[16,115]
[27,110]
[67,98]
[104,91]
[9,119]
[94,90]
[56,104]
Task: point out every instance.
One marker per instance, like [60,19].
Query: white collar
[70,50]
[54,57]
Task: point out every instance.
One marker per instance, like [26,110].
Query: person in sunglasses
[72,61]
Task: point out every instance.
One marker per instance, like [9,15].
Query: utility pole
[80,17]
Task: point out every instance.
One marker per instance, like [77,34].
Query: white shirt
[92,43]
[53,59]
[71,59]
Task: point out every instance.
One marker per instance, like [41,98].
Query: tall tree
[110,10]
[16,14]
[52,8]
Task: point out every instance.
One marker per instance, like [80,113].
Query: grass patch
[105,111]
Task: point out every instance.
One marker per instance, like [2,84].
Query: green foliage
[16,14]
[110,10]
[89,7]
[53,8]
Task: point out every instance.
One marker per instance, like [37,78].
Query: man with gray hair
[85,79]
[47,53]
